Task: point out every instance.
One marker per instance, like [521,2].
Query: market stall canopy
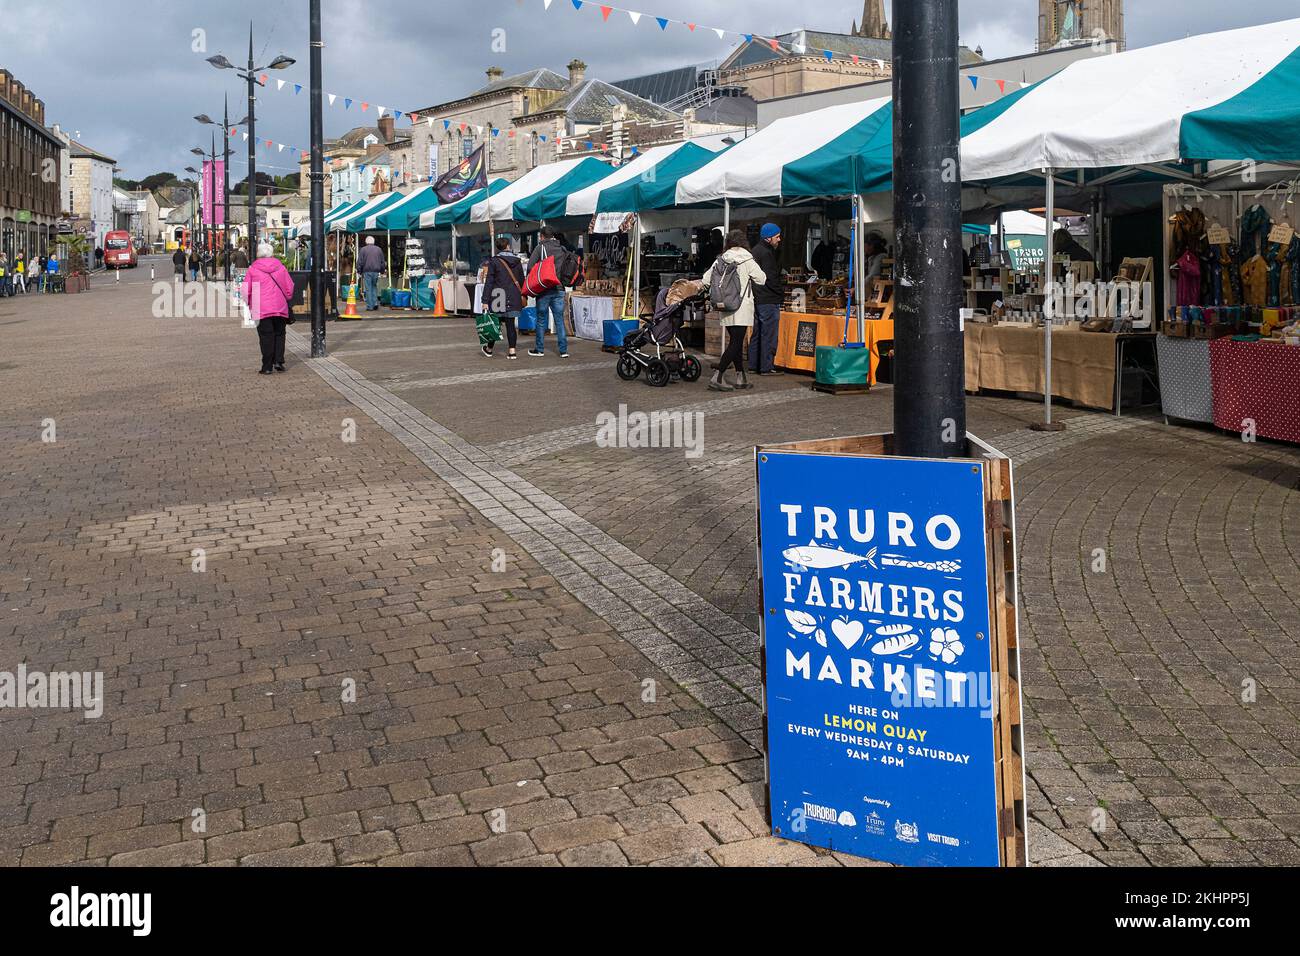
[458,213]
[502,205]
[1233,95]
[394,216]
[658,190]
[812,154]
[646,165]
[342,209]
[357,221]
[552,202]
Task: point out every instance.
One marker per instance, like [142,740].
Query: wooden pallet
[1008,730]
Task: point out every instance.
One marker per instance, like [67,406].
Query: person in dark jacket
[370,263]
[195,262]
[768,299]
[503,294]
[550,305]
[178,263]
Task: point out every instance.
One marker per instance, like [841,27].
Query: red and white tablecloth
[1256,382]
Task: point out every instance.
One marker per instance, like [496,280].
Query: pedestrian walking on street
[99,257]
[370,263]
[731,281]
[550,304]
[4,275]
[20,274]
[51,272]
[194,264]
[503,294]
[268,289]
[178,263]
[768,299]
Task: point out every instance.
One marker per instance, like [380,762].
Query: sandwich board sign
[891,702]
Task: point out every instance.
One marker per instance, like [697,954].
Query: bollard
[117,277]
[151,272]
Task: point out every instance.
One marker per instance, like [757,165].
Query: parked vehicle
[119,250]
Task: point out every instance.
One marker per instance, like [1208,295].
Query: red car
[119,252]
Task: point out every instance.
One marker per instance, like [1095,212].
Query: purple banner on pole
[210,192]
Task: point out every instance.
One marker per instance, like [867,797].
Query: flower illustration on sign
[946,645]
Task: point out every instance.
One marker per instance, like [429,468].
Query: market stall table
[802,332]
[1259,383]
[1185,392]
[1085,365]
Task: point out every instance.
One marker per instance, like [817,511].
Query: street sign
[887,679]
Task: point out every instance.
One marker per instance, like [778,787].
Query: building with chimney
[31,174]
[353,160]
[92,192]
[1071,22]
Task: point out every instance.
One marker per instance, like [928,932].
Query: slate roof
[815,41]
[593,101]
[542,79]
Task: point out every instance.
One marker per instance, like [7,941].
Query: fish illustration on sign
[814,557]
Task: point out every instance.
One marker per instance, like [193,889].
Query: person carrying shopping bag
[503,296]
[731,281]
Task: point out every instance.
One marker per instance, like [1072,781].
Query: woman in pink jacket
[268,289]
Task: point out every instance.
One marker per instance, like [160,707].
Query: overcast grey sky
[125,75]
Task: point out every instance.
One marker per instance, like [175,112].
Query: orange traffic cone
[350,307]
[439,307]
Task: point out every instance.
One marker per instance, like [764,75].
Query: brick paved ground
[499,716]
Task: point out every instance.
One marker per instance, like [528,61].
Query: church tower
[1064,22]
[873,21]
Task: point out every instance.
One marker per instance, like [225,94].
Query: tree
[264,183]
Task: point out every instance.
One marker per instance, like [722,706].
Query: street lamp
[194,195]
[226,127]
[249,75]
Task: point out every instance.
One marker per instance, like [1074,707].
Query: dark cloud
[125,75]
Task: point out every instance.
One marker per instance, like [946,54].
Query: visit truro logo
[77,909]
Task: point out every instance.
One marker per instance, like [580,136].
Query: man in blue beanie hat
[768,299]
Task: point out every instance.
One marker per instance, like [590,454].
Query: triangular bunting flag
[279,147]
[548,4]
[577,4]
[446,124]
[347,102]
[542,137]
[429,122]
[496,132]
[855,59]
[663,23]
[828,54]
[974,81]
[749,37]
[262,79]
[381,111]
[605,12]
[634,17]
[691,27]
[245,137]
[720,33]
[774,44]
[297,88]
[333,97]
[1002,86]
[279,85]
[364,106]
[397,114]
[510,135]
[415,118]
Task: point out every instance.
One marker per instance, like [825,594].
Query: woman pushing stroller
[731,281]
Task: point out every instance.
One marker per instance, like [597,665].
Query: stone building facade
[31,174]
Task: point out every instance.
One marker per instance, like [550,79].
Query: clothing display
[1255,281]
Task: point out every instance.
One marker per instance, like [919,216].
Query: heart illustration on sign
[847,633]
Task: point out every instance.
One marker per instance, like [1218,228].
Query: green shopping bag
[489,329]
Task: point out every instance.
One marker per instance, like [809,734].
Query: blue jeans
[551,306]
[371,281]
[762,344]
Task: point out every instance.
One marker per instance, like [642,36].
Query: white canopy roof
[583,202]
[1132,108]
[753,168]
[341,224]
[501,206]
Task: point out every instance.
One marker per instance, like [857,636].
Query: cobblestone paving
[497,720]
[511,701]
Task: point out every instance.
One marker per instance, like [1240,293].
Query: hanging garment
[1189,231]
[1189,278]
[1254,281]
[1232,263]
[1292,287]
[1255,224]
[1273,255]
[1215,270]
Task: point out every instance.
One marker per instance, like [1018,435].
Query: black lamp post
[226,127]
[317,192]
[194,195]
[250,77]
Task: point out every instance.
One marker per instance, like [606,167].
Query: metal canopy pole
[1049,255]
[929,400]
[726,221]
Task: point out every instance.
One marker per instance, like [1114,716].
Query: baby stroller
[656,347]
